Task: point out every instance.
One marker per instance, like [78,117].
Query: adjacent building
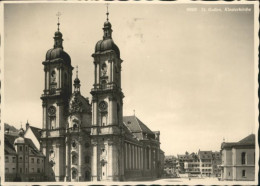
[203,164]
[205,160]
[238,160]
[188,164]
[170,166]
[23,161]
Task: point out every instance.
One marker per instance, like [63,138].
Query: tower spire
[107,27]
[77,82]
[107,12]
[58,35]
[77,71]
[58,15]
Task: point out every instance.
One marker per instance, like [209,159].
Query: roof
[10,149]
[205,154]
[136,125]
[37,132]
[138,128]
[9,141]
[248,141]
[107,45]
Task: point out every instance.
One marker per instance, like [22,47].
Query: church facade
[85,140]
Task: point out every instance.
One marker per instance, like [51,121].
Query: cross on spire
[107,12]
[58,15]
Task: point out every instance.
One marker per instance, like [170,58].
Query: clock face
[103,106]
[52,110]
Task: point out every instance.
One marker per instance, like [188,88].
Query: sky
[189,74]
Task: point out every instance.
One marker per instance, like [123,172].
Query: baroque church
[90,140]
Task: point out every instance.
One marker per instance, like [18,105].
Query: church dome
[20,139]
[107,45]
[56,53]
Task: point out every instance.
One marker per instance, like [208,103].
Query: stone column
[58,81]
[80,157]
[45,78]
[60,77]
[113,71]
[110,70]
[150,158]
[44,111]
[136,158]
[48,80]
[94,162]
[95,72]
[110,160]
[94,113]
[133,153]
[129,159]
[67,158]
[141,158]
[98,72]
[126,166]
[109,115]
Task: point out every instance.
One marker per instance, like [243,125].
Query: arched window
[104,84]
[87,175]
[53,76]
[243,158]
[74,174]
[74,159]
[103,69]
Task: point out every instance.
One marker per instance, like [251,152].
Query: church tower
[107,110]
[55,98]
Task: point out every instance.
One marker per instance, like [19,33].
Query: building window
[6,170]
[26,148]
[74,159]
[13,170]
[74,144]
[26,170]
[21,148]
[243,158]
[74,174]
[32,160]
[21,159]
[87,159]
[21,170]
[243,173]
[32,169]
[6,159]
[38,161]
[38,170]
[14,158]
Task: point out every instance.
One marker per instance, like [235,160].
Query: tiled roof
[9,141]
[9,147]
[36,132]
[205,154]
[247,141]
[136,125]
